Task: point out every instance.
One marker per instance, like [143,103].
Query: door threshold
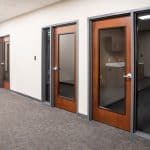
[142,134]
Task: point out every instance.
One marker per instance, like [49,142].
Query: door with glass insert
[112,71]
[64,67]
[1,62]
[4,62]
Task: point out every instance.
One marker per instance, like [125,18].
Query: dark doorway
[4,62]
[46,65]
[143,72]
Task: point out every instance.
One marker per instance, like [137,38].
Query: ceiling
[13,8]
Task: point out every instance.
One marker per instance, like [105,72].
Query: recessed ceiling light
[145,17]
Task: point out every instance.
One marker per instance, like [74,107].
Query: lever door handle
[2,63]
[55,68]
[128,76]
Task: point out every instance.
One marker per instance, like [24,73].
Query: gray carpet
[26,124]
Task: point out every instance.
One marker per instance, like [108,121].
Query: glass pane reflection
[66,65]
[112,69]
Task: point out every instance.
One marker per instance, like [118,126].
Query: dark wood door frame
[90,54]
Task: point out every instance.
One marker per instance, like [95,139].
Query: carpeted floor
[30,125]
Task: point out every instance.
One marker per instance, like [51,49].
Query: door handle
[2,63]
[128,76]
[55,68]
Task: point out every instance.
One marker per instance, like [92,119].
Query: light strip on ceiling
[145,17]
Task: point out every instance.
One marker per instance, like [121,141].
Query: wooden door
[4,62]
[112,71]
[1,64]
[65,68]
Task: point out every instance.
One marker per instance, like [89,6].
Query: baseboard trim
[19,93]
[82,116]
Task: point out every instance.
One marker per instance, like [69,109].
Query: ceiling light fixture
[145,17]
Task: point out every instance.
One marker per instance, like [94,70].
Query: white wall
[25,40]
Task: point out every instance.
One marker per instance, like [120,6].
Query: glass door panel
[143,73]
[112,69]
[66,65]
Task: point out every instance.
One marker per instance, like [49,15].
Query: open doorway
[4,62]
[143,73]
[46,65]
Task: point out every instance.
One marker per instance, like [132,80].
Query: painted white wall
[25,41]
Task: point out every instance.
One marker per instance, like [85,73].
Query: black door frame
[45,65]
[135,14]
